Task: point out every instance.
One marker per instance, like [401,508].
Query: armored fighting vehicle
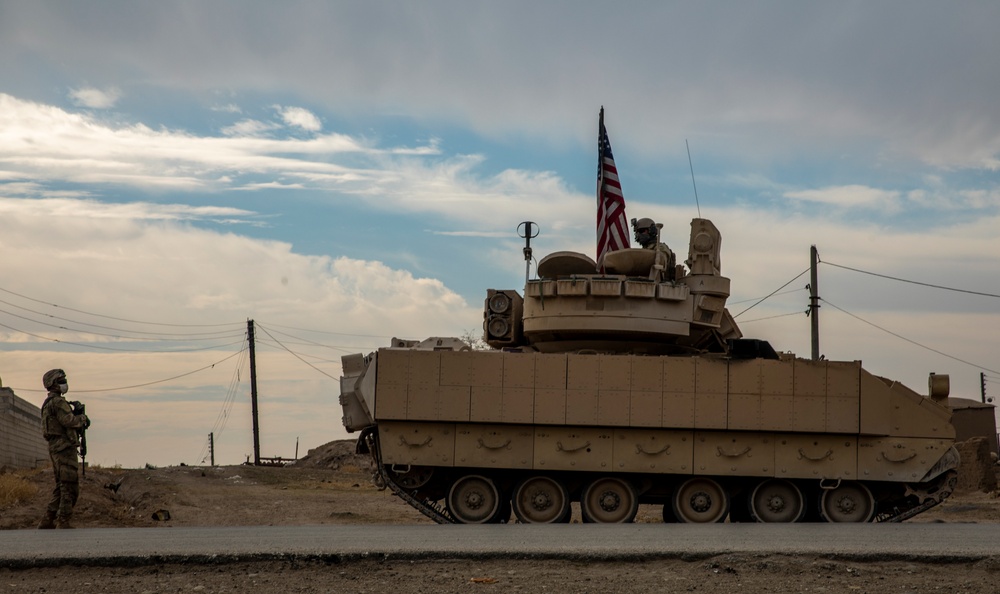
[628,382]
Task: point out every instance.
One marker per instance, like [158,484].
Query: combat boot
[63,523]
[48,522]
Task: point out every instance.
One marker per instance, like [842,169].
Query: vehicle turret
[635,305]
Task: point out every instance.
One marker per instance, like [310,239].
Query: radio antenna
[696,203]
[530,232]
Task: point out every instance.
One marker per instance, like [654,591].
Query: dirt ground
[331,486]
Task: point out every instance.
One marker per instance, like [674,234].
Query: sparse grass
[112,468]
[14,489]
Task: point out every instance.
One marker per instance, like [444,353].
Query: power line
[342,349]
[296,355]
[772,293]
[214,335]
[283,348]
[222,418]
[107,348]
[794,313]
[230,397]
[223,360]
[231,392]
[913,342]
[913,282]
[98,325]
[328,332]
[112,317]
[307,342]
[160,381]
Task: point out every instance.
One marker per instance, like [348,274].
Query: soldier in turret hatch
[647,234]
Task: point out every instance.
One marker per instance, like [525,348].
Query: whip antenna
[530,232]
[696,203]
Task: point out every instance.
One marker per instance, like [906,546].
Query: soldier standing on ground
[59,428]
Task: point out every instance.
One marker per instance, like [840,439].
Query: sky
[342,173]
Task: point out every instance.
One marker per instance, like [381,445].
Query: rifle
[80,408]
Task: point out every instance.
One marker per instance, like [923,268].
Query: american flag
[612,226]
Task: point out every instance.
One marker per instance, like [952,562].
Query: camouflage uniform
[646,235]
[59,427]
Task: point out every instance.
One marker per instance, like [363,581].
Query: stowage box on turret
[628,382]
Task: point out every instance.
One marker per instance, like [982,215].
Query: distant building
[972,418]
[21,443]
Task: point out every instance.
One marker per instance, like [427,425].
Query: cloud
[766,82]
[95,98]
[249,128]
[493,234]
[51,146]
[133,211]
[227,108]
[47,144]
[918,88]
[943,198]
[136,250]
[300,118]
[849,197]
[139,272]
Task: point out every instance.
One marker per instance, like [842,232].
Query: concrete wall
[973,419]
[977,471]
[21,442]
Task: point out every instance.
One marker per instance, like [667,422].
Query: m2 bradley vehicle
[629,383]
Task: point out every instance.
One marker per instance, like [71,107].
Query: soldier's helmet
[53,377]
[645,231]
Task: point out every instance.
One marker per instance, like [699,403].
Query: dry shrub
[14,490]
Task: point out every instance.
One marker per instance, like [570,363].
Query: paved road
[142,546]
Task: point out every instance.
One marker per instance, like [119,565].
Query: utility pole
[813,300]
[211,448]
[982,385]
[253,395]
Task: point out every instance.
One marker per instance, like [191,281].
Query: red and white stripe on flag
[612,225]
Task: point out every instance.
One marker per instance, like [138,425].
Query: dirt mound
[335,455]
[330,484]
[109,497]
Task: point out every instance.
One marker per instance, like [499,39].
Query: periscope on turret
[628,382]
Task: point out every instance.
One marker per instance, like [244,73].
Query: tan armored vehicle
[629,383]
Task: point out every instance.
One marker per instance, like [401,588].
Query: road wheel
[414,477]
[474,500]
[700,500]
[540,500]
[848,502]
[609,501]
[777,500]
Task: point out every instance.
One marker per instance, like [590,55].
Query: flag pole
[612,225]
